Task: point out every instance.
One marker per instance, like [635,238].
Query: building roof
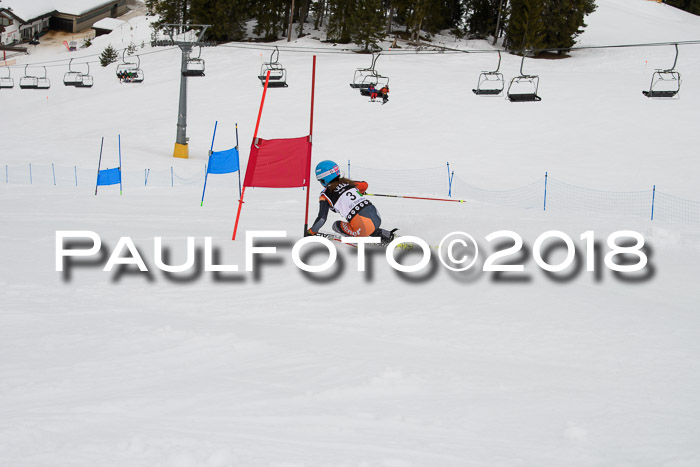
[30,9]
[109,24]
[78,7]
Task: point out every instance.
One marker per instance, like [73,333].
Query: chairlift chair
[665,84]
[490,83]
[379,82]
[34,82]
[77,79]
[87,80]
[363,77]
[526,87]
[129,72]
[6,82]
[278,74]
[194,66]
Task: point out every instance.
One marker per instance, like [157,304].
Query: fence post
[449,181]
[53,170]
[30,174]
[172,177]
[75,169]
[545,191]
[653,197]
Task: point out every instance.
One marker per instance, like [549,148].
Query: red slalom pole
[255,136]
[418,197]
[238,214]
[262,102]
[311,132]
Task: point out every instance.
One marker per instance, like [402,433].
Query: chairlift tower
[185,38]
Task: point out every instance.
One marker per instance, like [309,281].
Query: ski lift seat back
[28,82]
[665,84]
[491,83]
[34,82]
[278,74]
[77,79]
[195,66]
[6,82]
[524,88]
[363,77]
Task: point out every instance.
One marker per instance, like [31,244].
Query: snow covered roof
[109,24]
[30,9]
[78,7]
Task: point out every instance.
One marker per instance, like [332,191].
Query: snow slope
[279,368]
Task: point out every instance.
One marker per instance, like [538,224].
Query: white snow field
[353,369]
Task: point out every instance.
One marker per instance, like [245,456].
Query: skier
[372,92]
[345,197]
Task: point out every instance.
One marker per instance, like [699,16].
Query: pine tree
[428,15]
[691,6]
[481,17]
[526,28]
[226,17]
[413,13]
[564,21]
[108,55]
[367,26]
[270,15]
[444,14]
[169,11]
[340,13]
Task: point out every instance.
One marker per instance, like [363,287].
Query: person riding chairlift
[372,92]
[385,94]
[345,197]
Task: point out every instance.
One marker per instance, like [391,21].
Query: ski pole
[417,197]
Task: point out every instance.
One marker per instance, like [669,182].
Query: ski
[337,238]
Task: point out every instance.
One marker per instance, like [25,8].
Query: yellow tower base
[182,151]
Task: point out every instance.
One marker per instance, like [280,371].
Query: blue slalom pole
[545,191]
[449,181]
[119,137]
[99,162]
[653,196]
[53,170]
[239,163]
[206,171]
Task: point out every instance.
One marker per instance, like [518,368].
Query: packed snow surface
[281,368]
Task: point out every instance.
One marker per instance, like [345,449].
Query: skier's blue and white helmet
[326,172]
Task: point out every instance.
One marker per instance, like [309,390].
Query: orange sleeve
[362,186]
